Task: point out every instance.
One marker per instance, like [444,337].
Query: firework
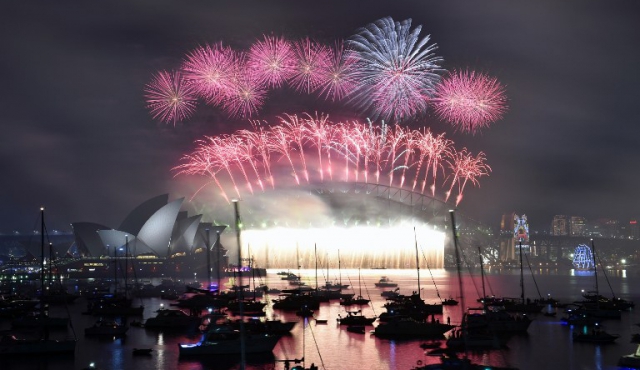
[339,80]
[247,95]
[169,97]
[402,156]
[211,69]
[397,71]
[272,61]
[466,168]
[311,67]
[470,101]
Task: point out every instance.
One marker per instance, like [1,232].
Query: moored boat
[224,340]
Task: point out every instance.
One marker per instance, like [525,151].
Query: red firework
[170,98]
[470,101]
[272,61]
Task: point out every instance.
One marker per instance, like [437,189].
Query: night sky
[77,138]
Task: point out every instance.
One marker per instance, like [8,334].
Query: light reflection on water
[547,345]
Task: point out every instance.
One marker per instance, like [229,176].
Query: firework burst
[339,80]
[272,61]
[170,98]
[397,71]
[211,69]
[470,101]
[312,64]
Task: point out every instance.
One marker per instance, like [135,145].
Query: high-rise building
[560,225]
[577,226]
[634,229]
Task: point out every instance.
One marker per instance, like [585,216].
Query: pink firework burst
[247,95]
[470,101]
[211,69]
[272,61]
[339,80]
[311,67]
[170,98]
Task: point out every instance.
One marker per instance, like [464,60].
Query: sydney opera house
[156,239]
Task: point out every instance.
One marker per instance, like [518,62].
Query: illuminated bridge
[366,225]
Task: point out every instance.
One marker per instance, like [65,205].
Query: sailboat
[359,300]
[411,320]
[224,339]
[43,345]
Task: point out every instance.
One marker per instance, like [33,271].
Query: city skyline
[80,141]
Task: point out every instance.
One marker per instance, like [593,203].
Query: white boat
[224,340]
[385,282]
[631,360]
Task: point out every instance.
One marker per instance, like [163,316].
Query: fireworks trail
[296,133]
[272,60]
[280,143]
[200,163]
[374,150]
[397,71]
[466,168]
[258,141]
[170,97]
[321,135]
[470,101]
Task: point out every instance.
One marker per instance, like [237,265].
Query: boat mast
[315,252]
[208,247]
[595,268]
[42,258]
[126,265]
[415,237]
[521,275]
[458,263]
[243,359]
[484,294]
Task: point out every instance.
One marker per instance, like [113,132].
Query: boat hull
[253,344]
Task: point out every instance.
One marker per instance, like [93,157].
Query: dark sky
[76,136]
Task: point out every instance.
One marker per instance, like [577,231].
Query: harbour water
[547,345]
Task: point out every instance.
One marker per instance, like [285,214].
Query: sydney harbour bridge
[351,224]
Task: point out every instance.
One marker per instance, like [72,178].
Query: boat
[449,302]
[356,329]
[43,344]
[359,300]
[631,360]
[224,340]
[172,319]
[356,318]
[106,328]
[409,328]
[142,351]
[450,361]
[385,282]
[595,335]
[12,345]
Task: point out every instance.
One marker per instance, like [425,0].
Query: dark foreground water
[548,344]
